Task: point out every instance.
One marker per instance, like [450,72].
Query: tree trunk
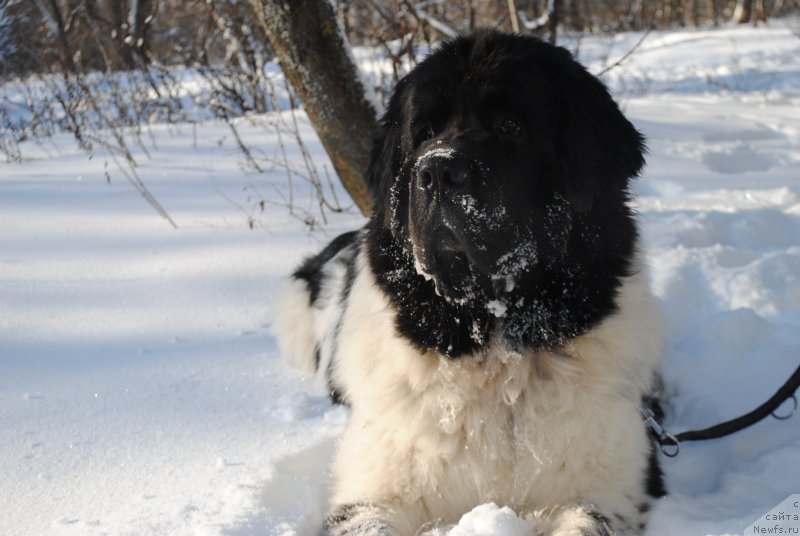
[716,12]
[760,11]
[512,15]
[472,8]
[750,11]
[141,18]
[554,8]
[55,23]
[743,11]
[312,51]
[123,54]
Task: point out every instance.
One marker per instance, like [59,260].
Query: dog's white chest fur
[441,436]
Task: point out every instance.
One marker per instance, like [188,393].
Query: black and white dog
[490,327]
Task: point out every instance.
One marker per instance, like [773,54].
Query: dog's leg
[581,520]
[589,520]
[365,519]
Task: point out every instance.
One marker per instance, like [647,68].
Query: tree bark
[139,30]
[750,11]
[743,10]
[554,7]
[55,22]
[312,51]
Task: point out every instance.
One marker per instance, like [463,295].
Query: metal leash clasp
[668,443]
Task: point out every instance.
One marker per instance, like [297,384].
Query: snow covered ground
[141,391]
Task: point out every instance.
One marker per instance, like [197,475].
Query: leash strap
[671,444]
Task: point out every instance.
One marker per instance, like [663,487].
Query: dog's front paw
[364,519]
[582,520]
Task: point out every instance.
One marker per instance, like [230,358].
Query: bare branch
[627,54]
[512,14]
[431,21]
[540,21]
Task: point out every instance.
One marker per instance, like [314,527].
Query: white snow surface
[142,393]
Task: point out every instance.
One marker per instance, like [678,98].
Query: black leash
[671,444]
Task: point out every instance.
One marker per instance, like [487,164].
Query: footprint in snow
[741,159]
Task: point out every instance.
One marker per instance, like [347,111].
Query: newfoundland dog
[491,326]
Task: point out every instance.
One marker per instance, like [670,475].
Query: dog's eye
[510,127]
[425,132]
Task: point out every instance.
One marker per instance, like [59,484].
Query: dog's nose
[441,173]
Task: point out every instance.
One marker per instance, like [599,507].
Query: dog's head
[489,152]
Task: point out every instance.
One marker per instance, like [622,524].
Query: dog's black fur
[543,151]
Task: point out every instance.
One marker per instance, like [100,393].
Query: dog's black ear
[599,149]
[386,154]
